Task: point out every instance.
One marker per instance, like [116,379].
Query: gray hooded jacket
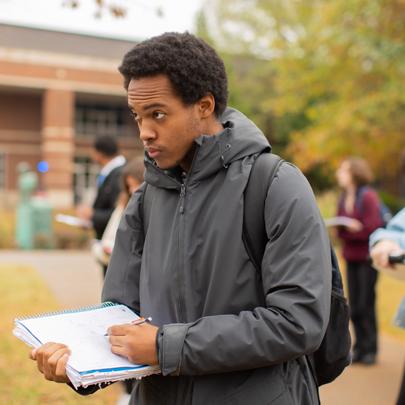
[228,335]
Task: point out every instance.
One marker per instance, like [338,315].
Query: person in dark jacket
[105,153]
[360,203]
[222,332]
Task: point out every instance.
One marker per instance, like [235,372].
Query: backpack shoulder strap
[360,197]
[146,204]
[264,169]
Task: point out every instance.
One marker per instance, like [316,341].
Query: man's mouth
[153,153]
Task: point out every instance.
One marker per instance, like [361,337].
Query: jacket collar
[239,139]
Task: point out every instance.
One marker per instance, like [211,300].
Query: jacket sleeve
[103,212]
[122,279]
[296,277]
[395,230]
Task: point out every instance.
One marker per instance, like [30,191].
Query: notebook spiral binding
[68,311]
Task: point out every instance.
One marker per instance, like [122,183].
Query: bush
[64,236]
[7,229]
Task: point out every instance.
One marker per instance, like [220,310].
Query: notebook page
[83,332]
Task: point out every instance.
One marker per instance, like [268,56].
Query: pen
[139,321]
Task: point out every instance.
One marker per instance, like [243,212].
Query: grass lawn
[22,292]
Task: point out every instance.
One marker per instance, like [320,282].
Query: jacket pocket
[152,390]
[262,386]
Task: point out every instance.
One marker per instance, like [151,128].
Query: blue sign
[42,166]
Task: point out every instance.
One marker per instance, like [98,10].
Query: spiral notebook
[83,331]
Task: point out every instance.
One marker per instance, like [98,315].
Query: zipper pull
[183,191]
[182,195]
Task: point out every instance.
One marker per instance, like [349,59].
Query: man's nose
[146,132]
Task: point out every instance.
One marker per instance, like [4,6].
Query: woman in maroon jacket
[360,203]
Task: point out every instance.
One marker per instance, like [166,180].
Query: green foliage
[326,78]
[320,177]
[394,203]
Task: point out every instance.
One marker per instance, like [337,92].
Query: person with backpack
[222,331]
[360,203]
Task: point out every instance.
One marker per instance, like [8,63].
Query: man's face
[167,127]
[97,157]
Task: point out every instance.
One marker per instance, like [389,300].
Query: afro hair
[192,66]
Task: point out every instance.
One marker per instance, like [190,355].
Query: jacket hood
[239,139]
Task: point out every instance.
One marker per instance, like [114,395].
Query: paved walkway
[73,276]
[76,280]
[370,385]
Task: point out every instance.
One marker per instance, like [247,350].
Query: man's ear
[206,106]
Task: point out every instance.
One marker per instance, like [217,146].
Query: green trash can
[27,184]
[34,214]
[42,223]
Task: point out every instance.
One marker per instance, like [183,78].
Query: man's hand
[135,342]
[381,250]
[84,212]
[51,361]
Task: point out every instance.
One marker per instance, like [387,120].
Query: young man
[222,332]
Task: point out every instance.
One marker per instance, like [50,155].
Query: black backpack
[333,355]
[385,212]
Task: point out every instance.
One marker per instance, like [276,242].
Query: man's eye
[158,115]
[135,116]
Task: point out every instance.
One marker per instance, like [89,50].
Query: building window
[97,119]
[84,180]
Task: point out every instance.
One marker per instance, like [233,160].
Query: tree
[337,68]
[115,8]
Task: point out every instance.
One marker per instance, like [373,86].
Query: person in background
[388,240]
[383,243]
[132,178]
[359,202]
[105,153]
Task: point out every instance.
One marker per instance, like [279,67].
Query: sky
[142,19]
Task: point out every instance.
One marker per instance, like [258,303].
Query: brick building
[58,91]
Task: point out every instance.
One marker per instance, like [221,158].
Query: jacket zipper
[183,190]
[181,299]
